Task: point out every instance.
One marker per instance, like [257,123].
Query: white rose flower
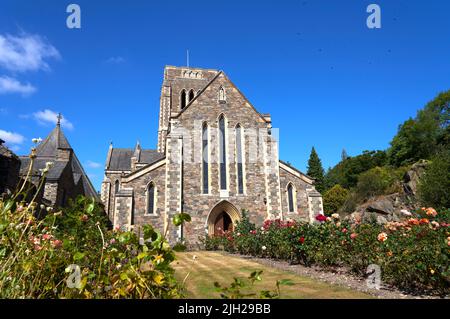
[263,247]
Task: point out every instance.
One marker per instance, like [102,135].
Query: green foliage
[374,182]
[346,172]
[421,137]
[35,256]
[434,187]
[315,170]
[413,254]
[73,254]
[334,198]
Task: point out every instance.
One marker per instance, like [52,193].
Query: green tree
[344,155]
[423,136]
[315,170]
[346,172]
[434,187]
[334,198]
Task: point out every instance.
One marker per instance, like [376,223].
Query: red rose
[321,218]
[301,240]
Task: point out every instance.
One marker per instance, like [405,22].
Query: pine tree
[315,170]
[344,155]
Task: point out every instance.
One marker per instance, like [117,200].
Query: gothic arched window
[205,160]
[222,153]
[290,191]
[191,95]
[239,160]
[151,199]
[183,99]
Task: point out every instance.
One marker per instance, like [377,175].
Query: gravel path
[337,276]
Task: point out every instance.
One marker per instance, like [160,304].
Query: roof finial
[59,118]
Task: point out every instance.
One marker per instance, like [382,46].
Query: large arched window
[239,160]
[191,95]
[222,153]
[183,99]
[291,194]
[205,159]
[151,193]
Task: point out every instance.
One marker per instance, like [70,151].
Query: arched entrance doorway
[223,223]
[223,217]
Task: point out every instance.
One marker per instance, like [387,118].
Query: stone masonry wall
[140,187]
[236,110]
[301,205]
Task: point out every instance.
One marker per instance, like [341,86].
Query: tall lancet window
[222,154]
[151,199]
[191,95]
[290,191]
[239,160]
[205,159]
[183,99]
[116,187]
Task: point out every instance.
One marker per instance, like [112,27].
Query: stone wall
[237,110]
[301,204]
[9,170]
[139,183]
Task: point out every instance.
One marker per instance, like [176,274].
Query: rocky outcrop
[393,207]
[412,178]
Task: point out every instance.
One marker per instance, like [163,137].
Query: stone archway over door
[224,216]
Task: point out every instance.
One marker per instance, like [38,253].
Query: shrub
[72,253]
[374,182]
[413,255]
[334,198]
[434,187]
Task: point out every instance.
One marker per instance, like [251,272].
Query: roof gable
[226,78]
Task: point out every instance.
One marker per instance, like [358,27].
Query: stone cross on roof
[59,117]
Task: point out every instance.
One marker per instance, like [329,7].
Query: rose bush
[413,254]
[73,253]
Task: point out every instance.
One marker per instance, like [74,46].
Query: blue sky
[327,80]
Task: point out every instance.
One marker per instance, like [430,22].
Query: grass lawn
[210,267]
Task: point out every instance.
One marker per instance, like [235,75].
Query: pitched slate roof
[47,151]
[120,159]
[54,141]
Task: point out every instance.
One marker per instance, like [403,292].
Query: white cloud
[92,164]
[48,116]
[115,60]
[26,52]
[11,138]
[10,85]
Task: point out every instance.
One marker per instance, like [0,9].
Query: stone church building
[65,179]
[216,156]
